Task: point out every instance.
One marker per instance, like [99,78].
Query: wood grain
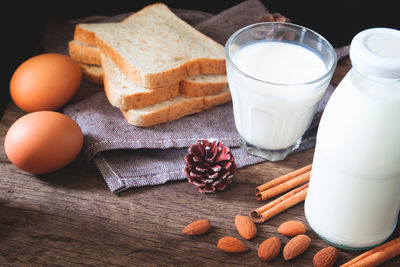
[70,218]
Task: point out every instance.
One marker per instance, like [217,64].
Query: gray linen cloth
[129,156]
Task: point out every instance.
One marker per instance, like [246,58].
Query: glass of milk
[277,74]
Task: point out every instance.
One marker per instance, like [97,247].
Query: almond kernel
[296,246]
[231,244]
[198,227]
[269,249]
[245,227]
[326,257]
[292,228]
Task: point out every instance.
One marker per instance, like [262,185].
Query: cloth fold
[129,156]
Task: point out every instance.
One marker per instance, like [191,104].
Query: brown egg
[43,142]
[45,82]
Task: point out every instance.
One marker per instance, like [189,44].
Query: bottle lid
[376,51]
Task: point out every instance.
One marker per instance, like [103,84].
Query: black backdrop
[338,21]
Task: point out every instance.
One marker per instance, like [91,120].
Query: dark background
[338,21]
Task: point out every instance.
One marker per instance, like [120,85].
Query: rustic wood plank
[70,218]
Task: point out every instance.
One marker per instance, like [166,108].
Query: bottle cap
[376,51]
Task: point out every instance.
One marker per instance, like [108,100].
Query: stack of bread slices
[154,66]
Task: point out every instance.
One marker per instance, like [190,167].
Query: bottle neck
[375,86]
[372,77]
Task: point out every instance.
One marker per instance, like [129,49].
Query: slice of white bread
[92,73]
[84,53]
[156,48]
[173,109]
[83,50]
[203,85]
[199,85]
[117,86]
[124,94]
[85,32]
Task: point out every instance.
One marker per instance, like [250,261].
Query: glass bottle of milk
[353,198]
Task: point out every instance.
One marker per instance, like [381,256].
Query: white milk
[274,108]
[279,62]
[353,198]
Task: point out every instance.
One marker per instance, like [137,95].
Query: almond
[198,227]
[269,249]
[326,257]
[296,246]
[292,228]
[245,226]
[231,244]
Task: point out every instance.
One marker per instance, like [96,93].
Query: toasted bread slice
[123,93]
[156,48]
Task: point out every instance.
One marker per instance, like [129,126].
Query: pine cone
[278,17]
[210,166]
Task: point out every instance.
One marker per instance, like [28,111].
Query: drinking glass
[272,117]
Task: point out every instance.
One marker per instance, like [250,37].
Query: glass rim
[328,73]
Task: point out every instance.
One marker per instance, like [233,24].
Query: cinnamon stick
[282,179]
[256,213]
[377,255]
[280,207]
[283,187]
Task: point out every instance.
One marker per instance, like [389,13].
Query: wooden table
[70,218]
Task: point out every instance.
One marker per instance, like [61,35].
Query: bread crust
[192,66]
[138,100]
[95,77]
[89,54]
[84,36]
[218,99]
[152,80]
[167,77]
[167,113]
[133,100]
[189,88]
[158,102]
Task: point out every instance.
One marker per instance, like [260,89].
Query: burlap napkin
[129,156]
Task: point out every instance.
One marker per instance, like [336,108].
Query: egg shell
[43,141]
[45,82]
